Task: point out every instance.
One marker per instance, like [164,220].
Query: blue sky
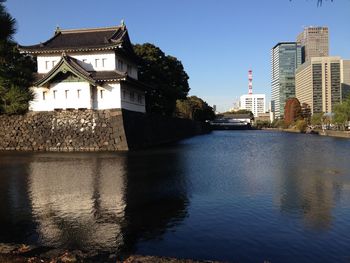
[218,41]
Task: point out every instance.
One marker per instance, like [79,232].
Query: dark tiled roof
[102,76]
[82,40]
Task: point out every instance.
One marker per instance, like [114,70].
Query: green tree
[262,124]
[301,125]
[16,70]
[317,119]
[194,108]
[166,77]
[306,112]
[241,111]
[342,113]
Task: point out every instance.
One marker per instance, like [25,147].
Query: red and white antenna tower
[250,82]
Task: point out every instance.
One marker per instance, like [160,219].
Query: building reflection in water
[78,201]
[309,185]
[104,202]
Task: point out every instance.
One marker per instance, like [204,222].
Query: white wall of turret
[102,61]
[81,95]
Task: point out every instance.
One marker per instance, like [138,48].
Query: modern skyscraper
[319,82]
[285,58]
[345,79]
[314,42]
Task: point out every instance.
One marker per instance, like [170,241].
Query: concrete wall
[90,130]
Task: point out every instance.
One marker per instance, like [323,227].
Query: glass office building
[285,58]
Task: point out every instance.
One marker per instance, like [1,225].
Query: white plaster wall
[105,61]
[59,100]
[122,65]
[38,104]
[110,98]
[132,105]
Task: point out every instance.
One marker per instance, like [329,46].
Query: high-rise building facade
[314,42]
[256,103]
[321,82]
[285,58]
[345,79]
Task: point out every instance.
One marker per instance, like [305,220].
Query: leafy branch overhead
[319,2]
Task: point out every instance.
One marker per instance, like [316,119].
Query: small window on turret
[101,94]
[47,64]
[104,62]
[120,65]
[97,61]
[54,94]
[44,95]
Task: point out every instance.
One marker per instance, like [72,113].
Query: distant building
[345,79]
[263,117]
[322,82]
[285,58]
[314,42]
[92,68]
[256,103]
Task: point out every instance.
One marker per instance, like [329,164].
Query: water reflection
[15,209]
[255,195]
[103,202]
[309,185]
[156,195]
[78,202]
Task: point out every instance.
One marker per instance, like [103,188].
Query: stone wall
[86,130]
[144,131]
[91,130]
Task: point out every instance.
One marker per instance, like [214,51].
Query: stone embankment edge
[91,130]
[21,253]
[328,133]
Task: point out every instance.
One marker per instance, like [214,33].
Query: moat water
[237,196]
